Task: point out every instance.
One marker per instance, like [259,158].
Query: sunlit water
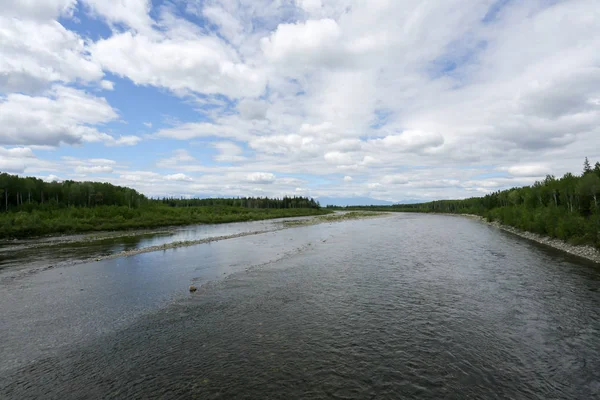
[407,306]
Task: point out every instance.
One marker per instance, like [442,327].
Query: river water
[404,306]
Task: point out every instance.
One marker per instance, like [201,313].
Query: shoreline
[311,220]
[587,252]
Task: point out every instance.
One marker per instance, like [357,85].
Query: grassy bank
[23,224]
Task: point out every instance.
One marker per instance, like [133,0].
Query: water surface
[408,306]
[18,255]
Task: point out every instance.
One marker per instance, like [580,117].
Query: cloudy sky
[384,99]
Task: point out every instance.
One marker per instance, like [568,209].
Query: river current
[403,306]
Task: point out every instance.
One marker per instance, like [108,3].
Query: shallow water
[407,306]
[44,252]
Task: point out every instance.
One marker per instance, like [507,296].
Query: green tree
[587,168]
[589,187]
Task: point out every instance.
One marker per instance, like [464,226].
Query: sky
[388,100]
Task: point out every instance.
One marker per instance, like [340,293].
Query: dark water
[409,306]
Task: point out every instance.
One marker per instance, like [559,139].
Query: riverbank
[588,252]
[56,222]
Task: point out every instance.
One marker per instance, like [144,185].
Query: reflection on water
[416,306]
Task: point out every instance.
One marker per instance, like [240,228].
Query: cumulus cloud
[313,41]
[36,53]
[178,177]
[107,85]
[202,64]
[132,13]
[63,115]
[15,160]
[412,99]
[261,177]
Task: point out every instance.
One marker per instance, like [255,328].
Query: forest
[33,207]
[566,208]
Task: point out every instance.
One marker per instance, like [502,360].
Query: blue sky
[385,100]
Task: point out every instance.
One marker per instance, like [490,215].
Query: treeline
[567,208]
[246,202]
[28,193]
[31,206]
[17,193]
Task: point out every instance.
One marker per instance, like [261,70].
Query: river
[404,306]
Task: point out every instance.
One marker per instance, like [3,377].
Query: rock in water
[193,288]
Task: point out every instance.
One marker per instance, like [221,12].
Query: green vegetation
[31,207]
[567,208]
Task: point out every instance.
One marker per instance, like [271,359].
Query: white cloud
[15,160]
[180,156]
[129,140]
[63,115]
[36,53]
[313,41]
[97,169]
[178,177]
[228,152]
[336,157]
[103,161]
[229,26]
[52,178]
[319,89]
[284,144]
[252,109]
[261,177]
[107,85]
[528,170]
[202,64]
[132,13]
[395,180]
[409,141]
[310,5]
[37,9]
